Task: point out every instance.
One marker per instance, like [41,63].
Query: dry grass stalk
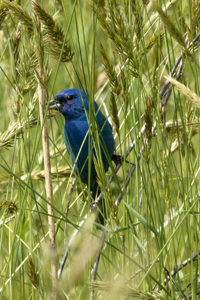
[191,96]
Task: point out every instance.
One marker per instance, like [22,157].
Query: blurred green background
[122,52]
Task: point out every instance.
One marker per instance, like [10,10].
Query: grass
[121,54]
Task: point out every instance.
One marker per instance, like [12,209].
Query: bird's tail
[98,208]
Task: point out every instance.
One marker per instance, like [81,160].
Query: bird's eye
[69,97]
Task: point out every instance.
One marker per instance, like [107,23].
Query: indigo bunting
[72,104]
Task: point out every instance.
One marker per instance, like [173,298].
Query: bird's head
[70,102]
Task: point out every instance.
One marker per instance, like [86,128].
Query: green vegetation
[140,60]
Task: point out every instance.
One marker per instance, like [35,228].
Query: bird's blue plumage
[70,103]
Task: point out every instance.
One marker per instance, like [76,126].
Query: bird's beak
[54,104]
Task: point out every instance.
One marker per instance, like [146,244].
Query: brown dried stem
[96,263]
[47,164]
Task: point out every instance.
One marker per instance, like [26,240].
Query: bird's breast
[76,140]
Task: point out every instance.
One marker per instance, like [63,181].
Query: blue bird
[72,104]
